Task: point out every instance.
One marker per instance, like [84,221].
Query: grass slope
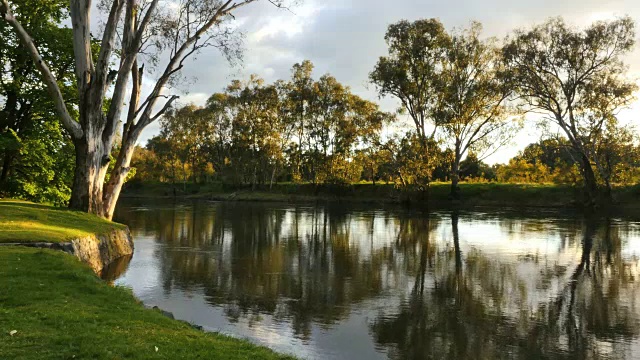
[61,310]
[22,221]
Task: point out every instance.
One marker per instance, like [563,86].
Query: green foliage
[36,156]
[473,169]
[450,81]
[453,85]
[409,72]
[256,134]
[40,166]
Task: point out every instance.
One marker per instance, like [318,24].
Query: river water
[343,282]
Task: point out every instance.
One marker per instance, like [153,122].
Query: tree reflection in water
[480,308]
[433,285]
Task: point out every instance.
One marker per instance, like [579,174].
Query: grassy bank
[54,307]
[22,221]
[487,194]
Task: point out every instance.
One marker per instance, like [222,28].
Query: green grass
[61,310]
[22,221]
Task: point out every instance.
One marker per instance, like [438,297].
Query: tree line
[257,133]
[465,95]
[66,137]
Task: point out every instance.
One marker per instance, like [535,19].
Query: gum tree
[408,73]
[576,80]
[175,29]
[470,99]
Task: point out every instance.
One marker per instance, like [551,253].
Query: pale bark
[94,133]
[122,165]
[141,115]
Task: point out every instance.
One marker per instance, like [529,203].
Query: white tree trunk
[94,133]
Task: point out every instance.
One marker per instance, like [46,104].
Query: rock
[100,250]
[96,250]
[165,313]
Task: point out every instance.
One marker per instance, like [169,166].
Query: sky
[346,37]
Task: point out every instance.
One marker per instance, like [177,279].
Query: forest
[463,95]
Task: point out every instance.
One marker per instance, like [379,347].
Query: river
[361,282]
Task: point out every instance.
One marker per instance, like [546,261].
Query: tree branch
[80,22]
[107,44]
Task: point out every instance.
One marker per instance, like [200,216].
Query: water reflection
[480,307]
[115,269]
[335,282]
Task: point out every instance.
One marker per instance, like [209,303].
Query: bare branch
[107,44]
[80,22]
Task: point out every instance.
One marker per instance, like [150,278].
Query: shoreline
[485,195]
[57,303]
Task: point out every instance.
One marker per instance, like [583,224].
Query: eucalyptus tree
[300,97]
[470,99]
[189,128]
[255,136]
[327,112]
[616,157]
[576,80]
[178,29]
[286,125]
[218,145]
[408,73]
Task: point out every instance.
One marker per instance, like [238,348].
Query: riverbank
[27,222]
[472,194]
[53,306]
[95,241]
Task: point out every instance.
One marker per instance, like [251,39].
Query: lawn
[54,307]
[22,221]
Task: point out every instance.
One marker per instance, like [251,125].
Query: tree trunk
[273,177]
[88,179]
[6,165]
[456,241]
[455,174]
[404,183]
[117,177]
[373,175]
[184,178]
[455,179]
[590,182]
[254,177]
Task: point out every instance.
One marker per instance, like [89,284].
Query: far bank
[438,195]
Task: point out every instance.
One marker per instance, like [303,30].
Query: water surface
[340,282]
